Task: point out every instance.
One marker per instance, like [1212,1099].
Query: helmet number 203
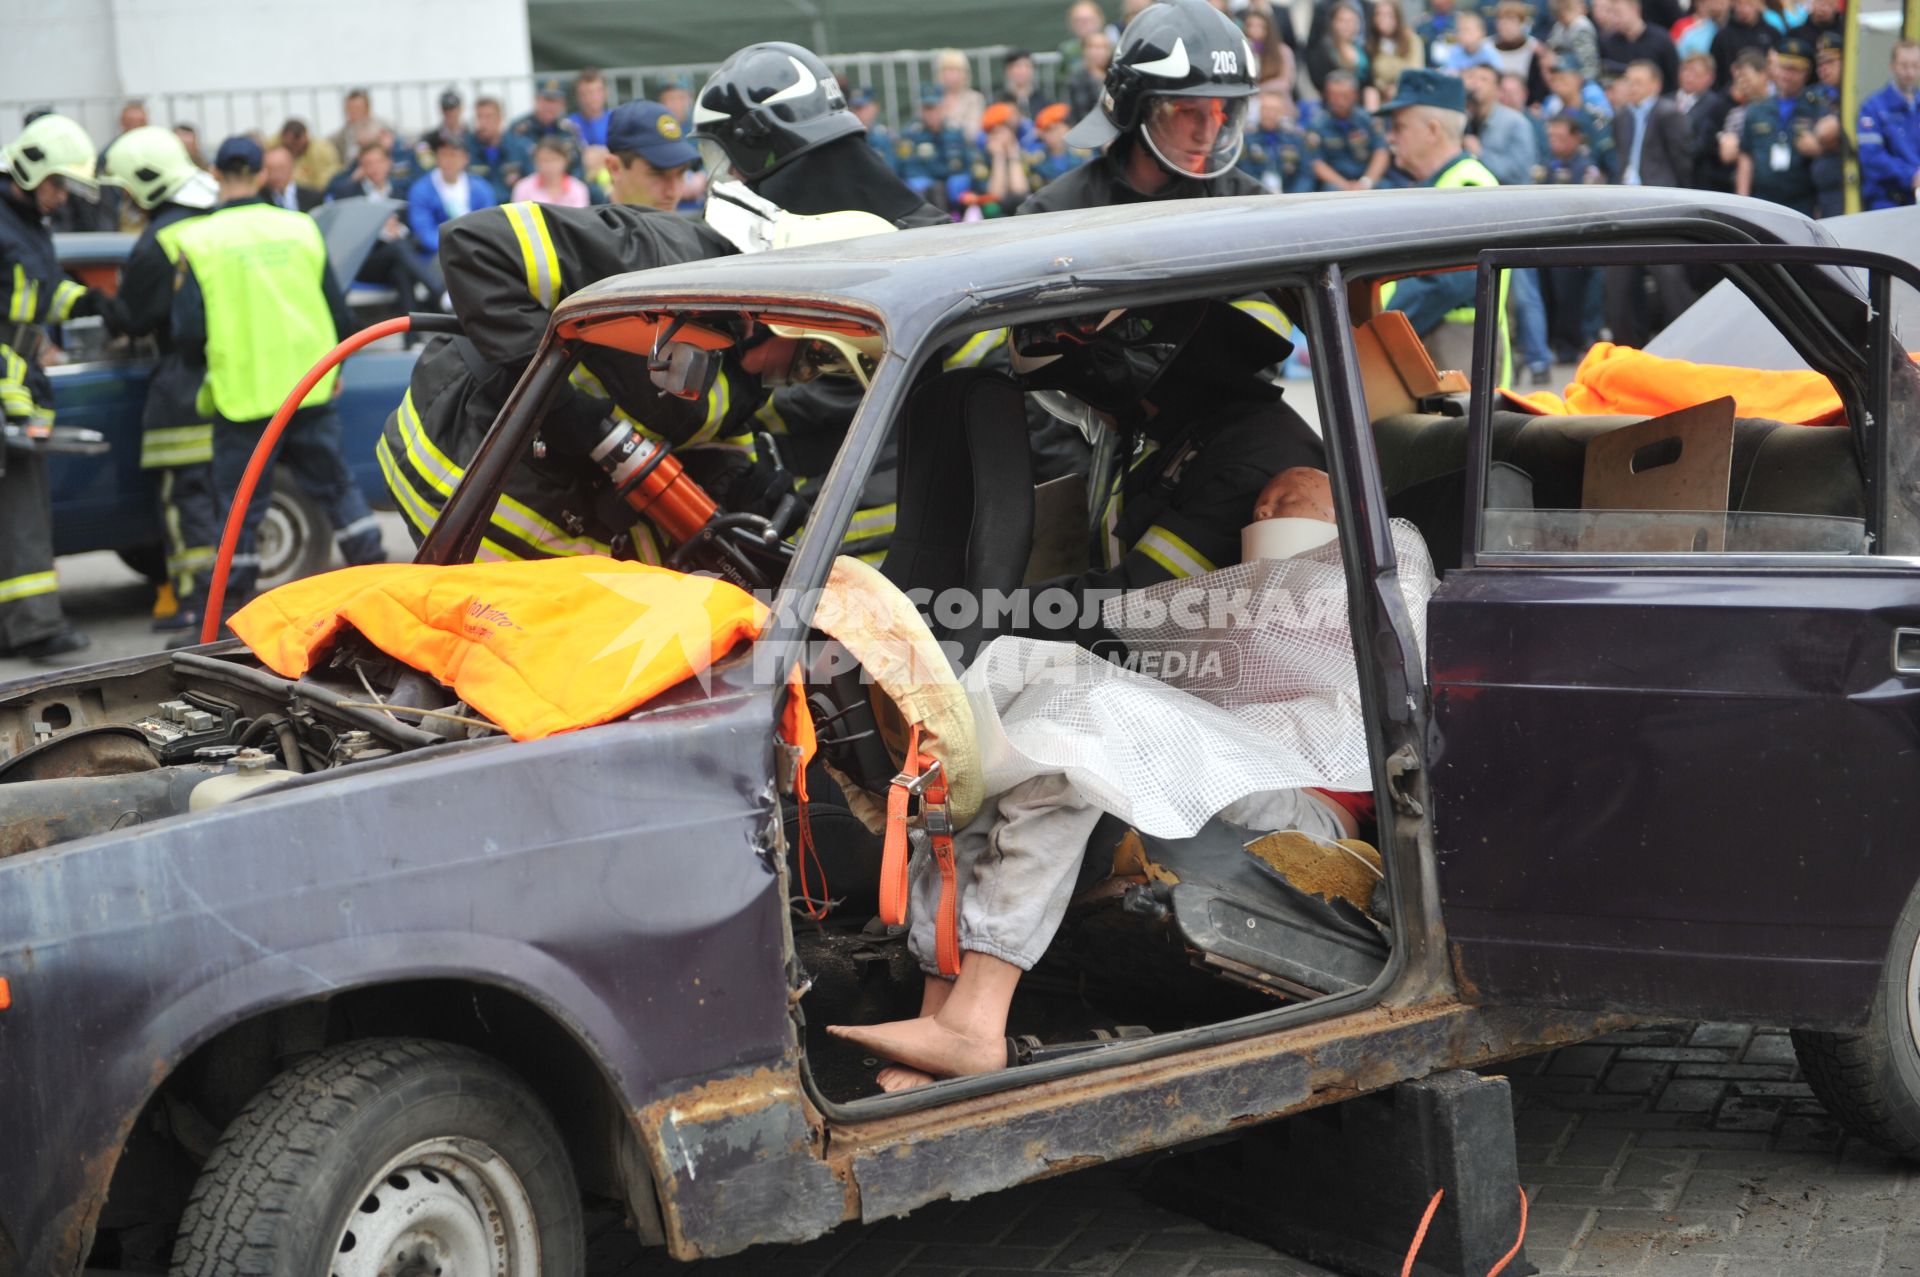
[1226,62]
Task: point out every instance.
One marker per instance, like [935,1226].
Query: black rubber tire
[148,560]
[290,1170]
[1870,1081]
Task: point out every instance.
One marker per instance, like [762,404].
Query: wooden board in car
[1680,462]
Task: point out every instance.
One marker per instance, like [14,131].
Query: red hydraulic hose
[257,464]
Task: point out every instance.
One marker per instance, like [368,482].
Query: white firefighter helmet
[53,146]
[152,164]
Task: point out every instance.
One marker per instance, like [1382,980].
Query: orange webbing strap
[796,731]
[893,853]
[921,776]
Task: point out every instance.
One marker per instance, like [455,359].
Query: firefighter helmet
[765,105]
[1181,79]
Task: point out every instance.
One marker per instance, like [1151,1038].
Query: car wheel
[1870,1081]
[149,561]
[294,539]
[387,1156]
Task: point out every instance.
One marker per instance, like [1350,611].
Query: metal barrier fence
[412,106]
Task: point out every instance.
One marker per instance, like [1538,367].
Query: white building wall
[231,65]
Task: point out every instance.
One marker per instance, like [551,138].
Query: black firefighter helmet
[1181,79]
[765,105]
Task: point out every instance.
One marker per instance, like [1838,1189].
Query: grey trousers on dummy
[1016,863]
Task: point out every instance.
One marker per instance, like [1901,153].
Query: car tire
[1869,1081]
[148,560]
[295,537]
[391,1154]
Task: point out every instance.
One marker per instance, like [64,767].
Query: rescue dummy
[1065,736]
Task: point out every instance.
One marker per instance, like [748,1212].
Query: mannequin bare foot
[932,997]
[965,1034]
[928,1045]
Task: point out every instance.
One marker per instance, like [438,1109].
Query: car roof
[923,272]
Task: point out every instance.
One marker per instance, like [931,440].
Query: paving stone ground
[1672,1151]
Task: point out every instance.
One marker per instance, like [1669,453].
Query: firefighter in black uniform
[1172,116]
[558,503]
[50,159]
[176,439]
[1181,386]
[773,118]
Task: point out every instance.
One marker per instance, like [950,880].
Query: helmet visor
[1195,136]
[715,161]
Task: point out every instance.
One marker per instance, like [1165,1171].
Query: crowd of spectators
[1727,95]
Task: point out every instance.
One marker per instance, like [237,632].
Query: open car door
[1677,696]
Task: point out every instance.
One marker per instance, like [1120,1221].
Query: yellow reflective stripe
[1266,312]
[198,556]
[66,295]
[420,512]
[647,546]
[769,416]
[428,461]
[719,403]
[521,520]
[22,587]
[873,521]
[1172,553]
[977,347]
[167,446]
[18,300]
[536,252]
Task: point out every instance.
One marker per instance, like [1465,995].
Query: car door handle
[1906,651]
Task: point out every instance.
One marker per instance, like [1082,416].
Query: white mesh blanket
[1256,690]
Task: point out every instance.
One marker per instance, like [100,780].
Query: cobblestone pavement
[1674,1151]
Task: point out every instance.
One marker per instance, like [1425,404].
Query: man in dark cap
[1778,140]
[1426,122]
[1830,162]
[648,156]
[547,119]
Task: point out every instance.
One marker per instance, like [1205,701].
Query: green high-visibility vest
[259,270]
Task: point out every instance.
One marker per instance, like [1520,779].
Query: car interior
[1161,934]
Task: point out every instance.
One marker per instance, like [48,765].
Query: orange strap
[922,775]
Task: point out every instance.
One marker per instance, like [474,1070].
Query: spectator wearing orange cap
[1001,181]
[1058,158]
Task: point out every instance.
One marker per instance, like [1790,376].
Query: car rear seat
[1777,468]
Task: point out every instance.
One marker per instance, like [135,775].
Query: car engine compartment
[194,731]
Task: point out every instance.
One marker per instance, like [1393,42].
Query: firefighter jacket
[173,431]
[33,293]
[506,269]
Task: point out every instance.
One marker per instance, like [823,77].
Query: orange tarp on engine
[539,647]
[1620,379]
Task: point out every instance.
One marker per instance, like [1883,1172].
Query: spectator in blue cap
[647,155]
[1426,128]
[866,109]
[547,119]
[932,152]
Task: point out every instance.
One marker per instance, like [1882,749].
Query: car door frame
[1504,944]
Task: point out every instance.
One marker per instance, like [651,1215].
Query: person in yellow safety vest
[255,303]
[1425,124]
[176,438]
[50,159]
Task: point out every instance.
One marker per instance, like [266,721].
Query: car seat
[965,506]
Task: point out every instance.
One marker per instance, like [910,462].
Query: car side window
[1715,437]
